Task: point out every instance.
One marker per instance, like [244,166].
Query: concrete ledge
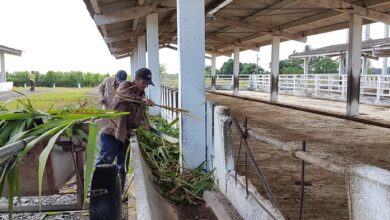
[221,206]
[6,86]
[150,204]
[368,192]
[253,206]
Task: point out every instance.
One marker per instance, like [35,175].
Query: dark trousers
[32,84]
[112,148]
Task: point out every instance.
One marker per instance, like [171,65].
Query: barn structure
[348,174]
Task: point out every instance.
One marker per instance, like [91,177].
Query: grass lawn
[44,98]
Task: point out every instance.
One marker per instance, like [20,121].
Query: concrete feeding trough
[4,85]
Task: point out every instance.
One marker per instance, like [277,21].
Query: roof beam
[352,8]
[124,36]
[261,29]
[125,14]
[95,6]
[135,22]
[272,9]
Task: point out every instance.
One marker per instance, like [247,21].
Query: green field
[45,98]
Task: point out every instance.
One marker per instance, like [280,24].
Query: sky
[60,35]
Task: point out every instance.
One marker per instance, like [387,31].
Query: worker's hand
[101,101]
[146,127]
[148,102]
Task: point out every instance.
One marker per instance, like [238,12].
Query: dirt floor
[370,112]
[325,192]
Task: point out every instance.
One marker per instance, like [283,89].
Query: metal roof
[9,50]
[370,48]
[248,24]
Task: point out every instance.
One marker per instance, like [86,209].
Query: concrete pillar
[353,70]
[342,65]
[213,71]
[365,59]
[132,65]
[306,66]
[368,190]
[2,70]
[191,50]
[141,52]
[236,70]
[384,65]
[275,69]
[153,59]
[135,63]
[222,143]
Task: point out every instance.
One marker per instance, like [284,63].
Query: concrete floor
[325,193]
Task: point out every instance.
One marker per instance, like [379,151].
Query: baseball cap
[145,74]
[121,75]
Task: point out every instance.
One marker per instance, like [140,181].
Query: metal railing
[169,97]
[373,88]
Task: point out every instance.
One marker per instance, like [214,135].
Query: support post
[132,66]
[354,53]
[275,69]
[236,70]
[191,50]
[213,71]
[365,59]
[342,65]
[153,59]
[141,52]
[384,65]
[135,63]
[2,70]
[368,190]
[306,66]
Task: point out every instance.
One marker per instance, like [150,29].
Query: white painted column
[2,70]
[353,70]
[191,50]
[365,59]
[236,70]
[141,52]
[275,69]
[213,71]
[135,63]
[384,64]
[368,190]
[153,59]
[132,67]
[342,65]
[306,66]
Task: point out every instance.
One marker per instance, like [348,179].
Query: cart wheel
[106,193]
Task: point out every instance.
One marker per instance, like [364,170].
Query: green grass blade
[90,158]
[43,159]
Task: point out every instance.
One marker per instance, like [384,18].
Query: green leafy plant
[22,129]
[164,160]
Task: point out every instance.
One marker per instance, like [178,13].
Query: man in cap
[115,135]
[108,88]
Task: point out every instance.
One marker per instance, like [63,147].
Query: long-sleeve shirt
[107,90]
[127,99]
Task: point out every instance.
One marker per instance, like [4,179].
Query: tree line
[317,65]
[61,79]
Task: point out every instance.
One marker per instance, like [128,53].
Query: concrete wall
[368,192]
[6,86]
[150,204]
[252,206]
